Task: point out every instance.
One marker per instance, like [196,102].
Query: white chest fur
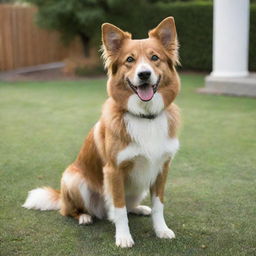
[151,146]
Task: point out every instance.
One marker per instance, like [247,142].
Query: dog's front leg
[157,196]
[115,198]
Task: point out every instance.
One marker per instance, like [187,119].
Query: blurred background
[67,33]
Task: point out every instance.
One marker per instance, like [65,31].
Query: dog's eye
[154,58]
[130,59]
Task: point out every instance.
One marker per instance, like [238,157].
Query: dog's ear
[112,40]
[165,32]
[113,37]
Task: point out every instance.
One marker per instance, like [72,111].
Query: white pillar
[230,38]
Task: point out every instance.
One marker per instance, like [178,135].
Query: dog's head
[142,71]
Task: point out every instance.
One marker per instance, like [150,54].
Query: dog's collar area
[150,116]
[147,116]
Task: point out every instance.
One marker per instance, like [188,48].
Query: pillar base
[236,86]
[230,74]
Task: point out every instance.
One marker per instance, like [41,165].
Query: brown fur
[174,120]
[89,164]
[96,163]
[55,194]
[158,187]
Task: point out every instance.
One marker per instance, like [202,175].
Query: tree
[6,1]
[83,18]
[72,17]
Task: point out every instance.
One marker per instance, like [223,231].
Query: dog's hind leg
[134,207]
[75,197]
[141,210]
[84,218]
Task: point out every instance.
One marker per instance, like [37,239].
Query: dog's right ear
[113,37]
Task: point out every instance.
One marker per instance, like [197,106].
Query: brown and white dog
[129,150]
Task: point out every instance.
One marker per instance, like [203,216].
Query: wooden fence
[23,44]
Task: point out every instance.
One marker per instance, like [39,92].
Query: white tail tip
[42,199]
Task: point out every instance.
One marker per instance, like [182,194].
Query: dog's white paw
[165,233]
[85,219]
[124,241]
[141,210]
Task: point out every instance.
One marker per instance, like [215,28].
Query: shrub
[194,22]
[89,71]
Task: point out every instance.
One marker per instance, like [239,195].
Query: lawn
[211,192]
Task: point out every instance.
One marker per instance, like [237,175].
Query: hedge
[194,27]
[194,22]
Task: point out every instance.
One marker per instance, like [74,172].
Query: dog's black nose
[144,75]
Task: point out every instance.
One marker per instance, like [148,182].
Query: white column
[230,38]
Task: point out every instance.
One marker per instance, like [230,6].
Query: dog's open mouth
[145,91]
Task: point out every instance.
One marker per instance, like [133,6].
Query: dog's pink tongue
[145,93]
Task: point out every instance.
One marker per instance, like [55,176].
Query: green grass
[210,196]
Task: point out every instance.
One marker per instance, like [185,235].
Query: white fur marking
[149,138]
[141,210]
[152,107]
[85,219]
[142,67]
[86,194]
[150,148]
[69,178]
[96,135]
[123,236]
[41,199]
[160,227]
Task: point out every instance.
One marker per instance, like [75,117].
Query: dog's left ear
[165,32]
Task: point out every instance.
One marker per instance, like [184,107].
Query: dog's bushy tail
[43,199]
